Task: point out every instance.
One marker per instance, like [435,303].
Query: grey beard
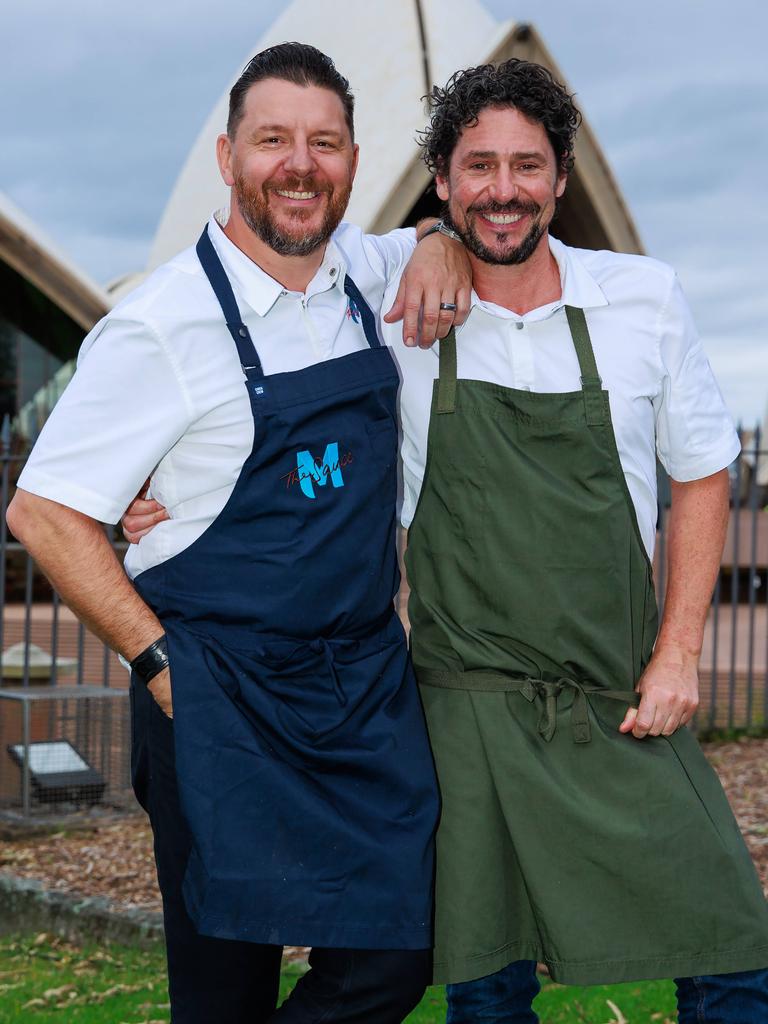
[284,245]
[255,212]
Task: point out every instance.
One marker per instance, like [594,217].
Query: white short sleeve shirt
[159,390]
[663,396]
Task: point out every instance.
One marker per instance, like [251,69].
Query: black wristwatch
[443,228]
[151,661]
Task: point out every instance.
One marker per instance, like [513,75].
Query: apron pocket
[467,497]
[283,697]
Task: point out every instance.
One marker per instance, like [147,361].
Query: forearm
[696,534]
[76,556]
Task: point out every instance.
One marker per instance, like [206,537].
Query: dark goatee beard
[507,257]
[253,204]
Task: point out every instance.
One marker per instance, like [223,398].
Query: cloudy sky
[99,104]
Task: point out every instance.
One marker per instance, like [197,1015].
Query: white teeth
[503,218]
[296,195]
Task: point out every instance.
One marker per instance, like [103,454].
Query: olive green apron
[533,616]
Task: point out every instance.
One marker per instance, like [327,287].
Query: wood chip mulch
[115,860]
[743,770]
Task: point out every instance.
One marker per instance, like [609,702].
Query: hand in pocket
[160,688]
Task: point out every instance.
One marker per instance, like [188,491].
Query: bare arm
[438,271]
[669,687]
[76,556]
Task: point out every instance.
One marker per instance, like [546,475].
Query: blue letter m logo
[313,471]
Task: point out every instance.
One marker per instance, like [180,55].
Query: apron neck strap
[446,385]
[591,384]
[222,289]
[369,321]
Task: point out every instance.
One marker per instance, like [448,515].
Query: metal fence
[63,750]
[42,643]
[733,671]
[64,710]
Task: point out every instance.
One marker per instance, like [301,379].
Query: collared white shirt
[159,389]
[663,396]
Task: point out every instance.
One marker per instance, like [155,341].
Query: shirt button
[519,325]
[283,292]
[332,271]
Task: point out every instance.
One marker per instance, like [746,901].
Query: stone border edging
[26,906]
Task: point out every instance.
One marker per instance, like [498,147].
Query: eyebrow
[484,154]
[262,128]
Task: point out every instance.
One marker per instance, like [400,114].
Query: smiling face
[501,186]
[290,165]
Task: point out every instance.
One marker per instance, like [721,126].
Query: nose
[300,160]
[504,188]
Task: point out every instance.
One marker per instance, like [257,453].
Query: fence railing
[733,671]
[41,641]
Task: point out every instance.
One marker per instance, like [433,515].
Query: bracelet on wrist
[151,661]
[441,227]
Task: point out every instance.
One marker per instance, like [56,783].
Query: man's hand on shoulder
[438,272]
[669,694]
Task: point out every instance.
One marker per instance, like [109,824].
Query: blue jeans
[506,997]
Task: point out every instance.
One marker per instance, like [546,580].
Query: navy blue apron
[301,751]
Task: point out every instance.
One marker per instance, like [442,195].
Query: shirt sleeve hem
[394,249]
[96,506]
[709,462]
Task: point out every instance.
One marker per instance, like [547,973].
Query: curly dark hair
[528,87]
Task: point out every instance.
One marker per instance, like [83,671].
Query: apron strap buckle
[594,405]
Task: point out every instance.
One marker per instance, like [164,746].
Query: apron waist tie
[321,645]
[542,692]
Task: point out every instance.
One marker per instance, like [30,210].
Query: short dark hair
[528,87]
[299,63]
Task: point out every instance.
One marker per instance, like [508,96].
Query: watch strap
[443,228]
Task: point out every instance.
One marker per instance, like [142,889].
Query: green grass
[45,980]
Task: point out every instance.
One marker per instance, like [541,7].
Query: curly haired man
[581,825]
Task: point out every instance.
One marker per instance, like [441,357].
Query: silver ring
[449,306]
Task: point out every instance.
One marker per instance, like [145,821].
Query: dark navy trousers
[222,981]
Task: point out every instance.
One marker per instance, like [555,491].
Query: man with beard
[581,824]
[292,797]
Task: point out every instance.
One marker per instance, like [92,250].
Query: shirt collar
[253,285]
[580,289]
[578,286]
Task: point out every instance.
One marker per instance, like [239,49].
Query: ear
[441,186]
[355,161]
[562,181]
[224,158]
